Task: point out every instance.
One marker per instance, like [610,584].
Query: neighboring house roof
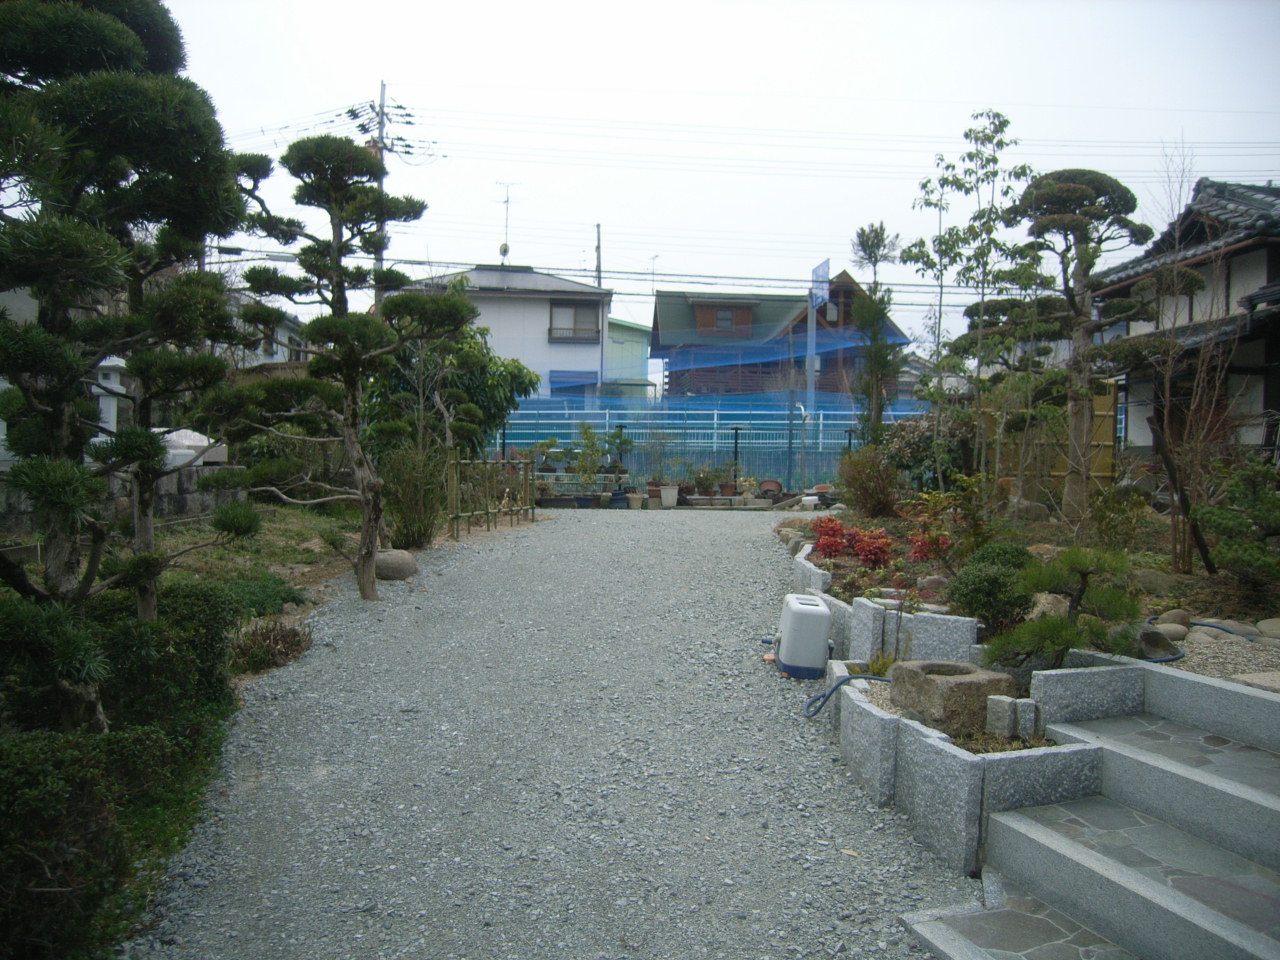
[629,324]
[1220,215]
[772,335]
[507,279]
[675,323]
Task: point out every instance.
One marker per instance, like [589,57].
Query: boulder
[1045,552]
[1157,583]
[1269,628]
[950,696]
[1154,645]
[395,565]
[1048,605]
[1176,615]
[935,582]
[1176,632]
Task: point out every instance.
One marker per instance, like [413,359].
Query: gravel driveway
[557,742]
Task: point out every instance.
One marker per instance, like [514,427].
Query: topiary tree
[1074,217]
[113,171]
[347,351]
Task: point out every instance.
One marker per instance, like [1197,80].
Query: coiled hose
[813,706]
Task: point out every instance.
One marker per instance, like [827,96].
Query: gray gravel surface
[557,741]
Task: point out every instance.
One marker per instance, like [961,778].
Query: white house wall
[518,329]
[1248,273]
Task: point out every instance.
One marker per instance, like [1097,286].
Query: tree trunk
[1079,455]
[144,538]
[369,487]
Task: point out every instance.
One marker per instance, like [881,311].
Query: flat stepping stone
[1023,927]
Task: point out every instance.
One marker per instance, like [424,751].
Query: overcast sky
[736,138]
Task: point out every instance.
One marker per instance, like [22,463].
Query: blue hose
[813,706]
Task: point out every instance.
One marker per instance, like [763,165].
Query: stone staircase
[1175,859]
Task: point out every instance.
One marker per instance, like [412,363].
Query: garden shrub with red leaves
[874,548]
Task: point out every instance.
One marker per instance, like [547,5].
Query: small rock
[934,582]
[395,565]
[1269,628]
[1236,626]
[1176,615]
[1176,632]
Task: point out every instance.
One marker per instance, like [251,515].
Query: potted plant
[728,485]
[618,445]
[706,479]
[586,463]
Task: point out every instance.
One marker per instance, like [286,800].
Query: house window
[295,350]
[575,322]
[724,318]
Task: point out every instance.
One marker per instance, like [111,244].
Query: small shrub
[1045,640]
[1116,514]
[263,593]
[990,592]
[873,547]
[869,482]
[63,848]
[268,644]
[1003,555]
[414,491]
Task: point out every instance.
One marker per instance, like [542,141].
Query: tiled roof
[1218,216]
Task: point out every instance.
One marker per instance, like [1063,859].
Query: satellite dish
[503,251]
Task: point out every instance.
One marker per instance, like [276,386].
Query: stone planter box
[947,792]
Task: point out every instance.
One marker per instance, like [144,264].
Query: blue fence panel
[765,435]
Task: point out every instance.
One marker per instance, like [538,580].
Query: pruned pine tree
[345,350]
[113,171]
[1073,218]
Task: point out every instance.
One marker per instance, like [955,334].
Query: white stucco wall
[518,329]
[1248,273]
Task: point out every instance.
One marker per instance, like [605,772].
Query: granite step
[1142,883]
[1012,925]
[1220,789]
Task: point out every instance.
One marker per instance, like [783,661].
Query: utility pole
[604,314]
[380,151]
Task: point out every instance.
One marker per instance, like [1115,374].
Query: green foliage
[1074,573]
[262,594]
[1044,641]
[80,816]
[44,646]
[162,670]
[1003,554]
[1245,524]
[1116,514]
[991,592]
[236,520]
[868,482]
[61,490]
[415,495]
[268,644]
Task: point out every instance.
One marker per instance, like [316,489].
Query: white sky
[736,137]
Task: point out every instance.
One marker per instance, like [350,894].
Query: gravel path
[556,742]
